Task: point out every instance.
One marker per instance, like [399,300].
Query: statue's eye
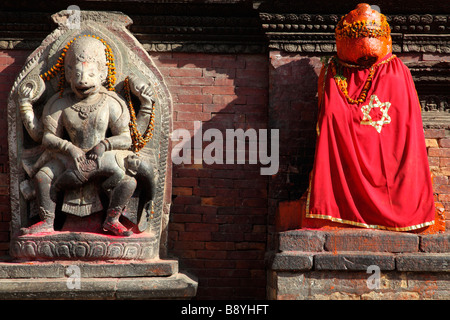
[91,75]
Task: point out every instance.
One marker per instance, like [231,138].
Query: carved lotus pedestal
[84,246]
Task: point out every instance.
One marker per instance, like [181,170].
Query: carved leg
[120,196]
[112,224]
[46,225]
[68,180]
[145,173]
[47,205]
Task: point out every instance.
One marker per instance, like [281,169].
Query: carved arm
[52,138]
[29,91]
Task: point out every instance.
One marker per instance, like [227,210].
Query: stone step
[297,261]
[177,286]
[86,269]
[362,240]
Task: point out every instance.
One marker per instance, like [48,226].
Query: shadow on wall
[218,227]
[293,109]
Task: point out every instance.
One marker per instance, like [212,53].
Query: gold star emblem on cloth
[383,108]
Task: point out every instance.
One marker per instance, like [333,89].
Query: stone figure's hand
[30,90]
[77,154]
[25,95]
[142,90]
[96,152]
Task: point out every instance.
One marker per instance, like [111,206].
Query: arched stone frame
[131,60]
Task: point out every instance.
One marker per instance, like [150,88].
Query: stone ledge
[292,261]
[178,286]
[371,240]
[295,261]
[424,262]
[438,243]
[362,240]
[353,261]
[302,240]
[100,269]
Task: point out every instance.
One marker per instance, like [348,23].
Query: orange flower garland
[362,28]
[341,81]
[139,141]
[59,66]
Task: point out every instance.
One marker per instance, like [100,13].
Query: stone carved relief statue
[89,119]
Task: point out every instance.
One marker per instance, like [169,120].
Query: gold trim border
[369,226]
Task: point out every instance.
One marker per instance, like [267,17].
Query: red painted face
[363,36]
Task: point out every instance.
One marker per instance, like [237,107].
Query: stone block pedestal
[359,264]
[113,280]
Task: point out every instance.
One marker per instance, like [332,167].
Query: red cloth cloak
[371,166]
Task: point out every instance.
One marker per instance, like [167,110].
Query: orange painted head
[363,36]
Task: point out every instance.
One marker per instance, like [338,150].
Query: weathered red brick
[439,152]
[195,236]
[434,133]
[193,116]
[202,227]
[444,162]
[185,191]
[223,90]
[193,98]
[188,72]
[444,143]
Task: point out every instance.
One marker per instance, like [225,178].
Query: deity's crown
[86,49]
[362,22]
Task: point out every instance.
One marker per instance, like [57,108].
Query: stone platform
[118,279]
[340,264]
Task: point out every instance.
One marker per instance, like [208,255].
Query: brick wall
[438,146]
[222,215]
[218,218]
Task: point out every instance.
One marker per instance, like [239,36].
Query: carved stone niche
[83,204]
[89,119]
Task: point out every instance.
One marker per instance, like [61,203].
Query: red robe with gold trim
[371,165]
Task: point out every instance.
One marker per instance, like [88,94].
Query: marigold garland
[139,141]
[59,66]
[341,81]
[362,28]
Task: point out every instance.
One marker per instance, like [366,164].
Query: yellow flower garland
[139,141]
[363,28]
[341,81]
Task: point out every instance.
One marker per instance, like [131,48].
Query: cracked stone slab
[99,269]
[353,261]
[177,286]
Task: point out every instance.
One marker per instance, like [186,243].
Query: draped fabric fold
[371,165]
